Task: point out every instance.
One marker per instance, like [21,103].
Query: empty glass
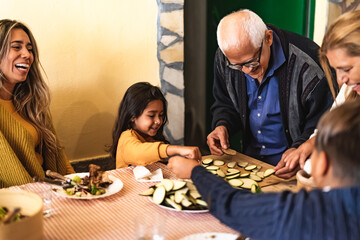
[150,226]
[45,193]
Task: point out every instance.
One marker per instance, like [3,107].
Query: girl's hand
[182,167]
[188,152]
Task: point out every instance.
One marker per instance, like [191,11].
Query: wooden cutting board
[271,180]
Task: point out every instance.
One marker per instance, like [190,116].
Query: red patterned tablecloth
[113,217]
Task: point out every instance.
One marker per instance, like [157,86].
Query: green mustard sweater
[18,161]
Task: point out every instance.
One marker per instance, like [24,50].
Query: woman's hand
[185,151]
[182,167]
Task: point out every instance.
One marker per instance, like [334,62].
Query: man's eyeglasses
[250,64]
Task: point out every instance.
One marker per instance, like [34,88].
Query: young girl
[138,133]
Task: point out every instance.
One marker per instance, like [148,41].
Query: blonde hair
[250,22]
[31,98]
[344,33]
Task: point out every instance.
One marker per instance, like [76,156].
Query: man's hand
[218,139]
[283,168]
[182,167]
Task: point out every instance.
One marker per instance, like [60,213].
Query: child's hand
[188,152]
[182,167]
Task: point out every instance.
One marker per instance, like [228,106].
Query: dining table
[114,216]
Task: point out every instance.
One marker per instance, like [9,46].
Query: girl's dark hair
[135,100]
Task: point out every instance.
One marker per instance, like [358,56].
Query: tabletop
[113,217]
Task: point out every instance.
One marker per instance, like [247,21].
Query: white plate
[185,211]
[211,236]
[113,188]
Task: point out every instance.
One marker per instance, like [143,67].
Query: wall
[92,51]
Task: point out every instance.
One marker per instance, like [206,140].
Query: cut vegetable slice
[220,173]
[148,192]
[244,175]
[179,194]
[195,194]
[231,164]
[168,184]
[235,182]
[248,183]
[255,177]
[260,174]
[232,171]
[207,161]
[255,189]
[178,184]
[243,164]
[251,167]
[201,202]
[214,172]
[219,163]
[233,176]
[268,172]
[159,195]
[229,151]
[212,167]
[186,203]
[190,185]
[173,204]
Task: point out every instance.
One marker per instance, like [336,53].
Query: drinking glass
[150,226]
[44,191]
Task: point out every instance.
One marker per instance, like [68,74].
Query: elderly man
[269,84]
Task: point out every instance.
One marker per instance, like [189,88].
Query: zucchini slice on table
[173,204]
[219,163]
[178,184]
[255,177]
[235,182]
[168,184]
[232,171]
[236,175]
[220,173]
[242,164]
[212,168]
[179,194]
[244,175]
[250,167]
[231,164]
[255,189]
[159,195]
[207,161]
[248,183]
[268,172]
[201,202]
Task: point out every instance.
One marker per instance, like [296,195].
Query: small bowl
[31,226]
[305,181]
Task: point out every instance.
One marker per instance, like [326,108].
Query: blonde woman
[340,50]
[28,144]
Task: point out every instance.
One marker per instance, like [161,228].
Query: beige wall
[92,51]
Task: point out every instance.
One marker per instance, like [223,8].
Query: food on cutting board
[177,194]
[248,179]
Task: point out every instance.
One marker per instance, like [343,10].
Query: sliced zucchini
[229,151]
[250,167]
[148,192]
[248,183]
[256,169]
[255,189]
[255,177]
[186,203]
[190,185]
[212,168]
[173,204]
[219,163]
[179,194]
[244,175]
[172,197]
[231,164]
[195,194]
[168,184]
[214,172]
[178,184]
[235,182]
[242,164]
[220,173]
[232,171]
[159,195]
[236,175]
[207,161]
[268,172]
[201,202]
[260,174]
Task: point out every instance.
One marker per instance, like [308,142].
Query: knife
[57,175]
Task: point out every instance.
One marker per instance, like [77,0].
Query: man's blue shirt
[268,141]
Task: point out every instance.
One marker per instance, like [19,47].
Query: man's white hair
[251,23]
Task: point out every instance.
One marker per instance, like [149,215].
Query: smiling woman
[28,140]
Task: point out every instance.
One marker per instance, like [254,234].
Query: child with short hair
[330,212]
[138,133]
